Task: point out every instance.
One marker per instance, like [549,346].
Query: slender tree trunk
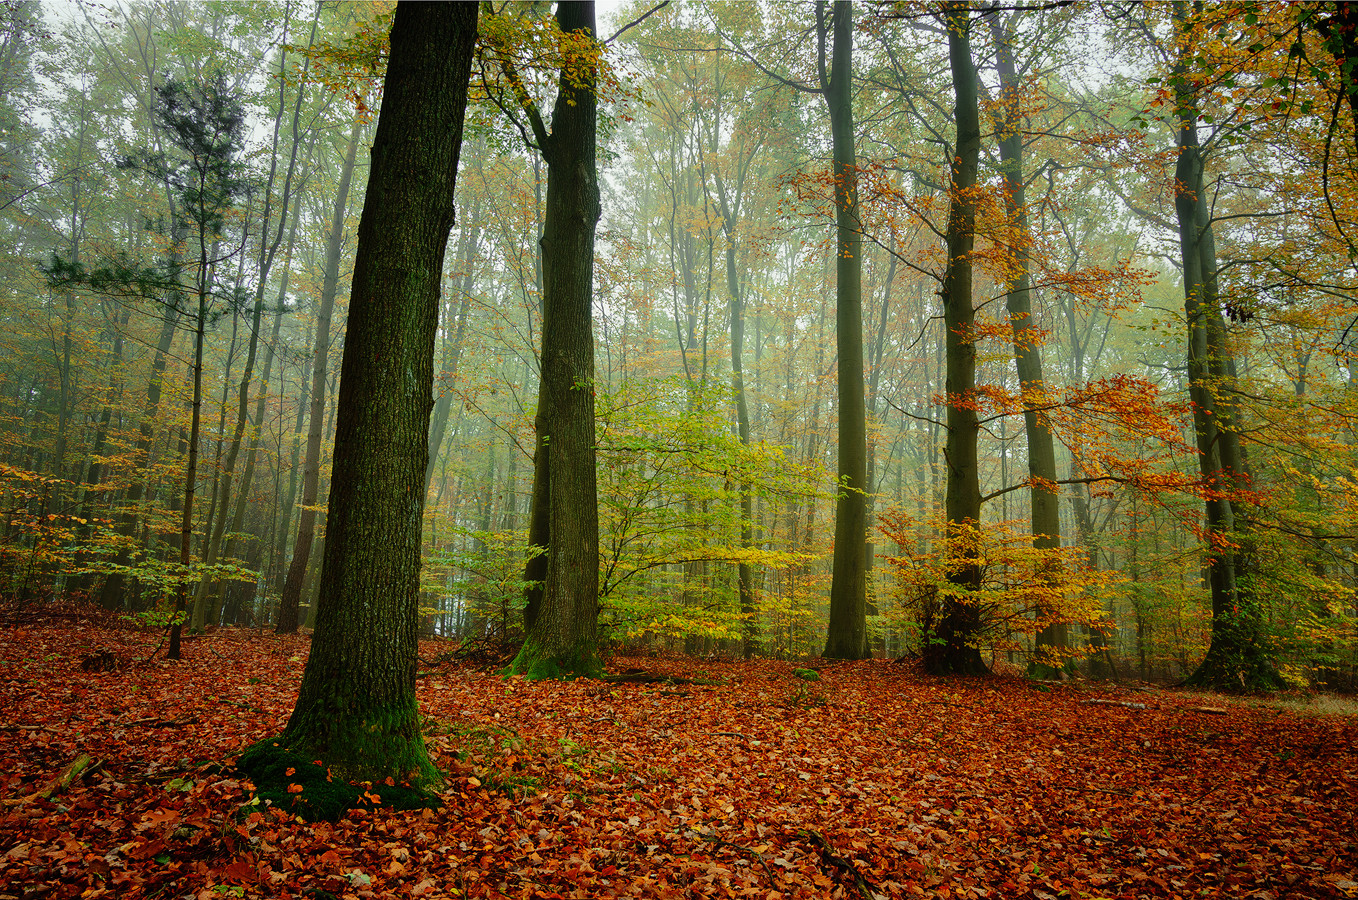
[311,472]
[112,594]
[847,633]
[1053,638]
[452,346]
[191,470]
[243,591]
[953,649]
[268,251]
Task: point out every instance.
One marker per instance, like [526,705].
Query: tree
[951,647]
[208,127]
[1237,657]
[562,615]
[311,472]
[847,635]
[356,709]
[1053,638]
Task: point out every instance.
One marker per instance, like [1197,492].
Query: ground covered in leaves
[872,782]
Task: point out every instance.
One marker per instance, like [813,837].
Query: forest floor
[873,782]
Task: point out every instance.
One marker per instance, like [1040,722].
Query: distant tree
[290,604]
[202,168]
[206,125]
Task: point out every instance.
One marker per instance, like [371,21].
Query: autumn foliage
[870,781]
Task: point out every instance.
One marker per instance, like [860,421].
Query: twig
[1115,703]
[722,842]
[81,766]
[734,734]
[155,722]
[866,889]
[1097,790]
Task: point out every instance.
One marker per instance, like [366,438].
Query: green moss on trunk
[1239,659]
[370,744]
[305,786]
[535,664]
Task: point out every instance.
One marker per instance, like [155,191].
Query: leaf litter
[734,779]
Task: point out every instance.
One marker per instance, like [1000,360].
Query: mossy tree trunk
[952,648]
[356,709]
[562,619]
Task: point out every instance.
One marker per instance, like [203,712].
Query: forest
[678,449]
[1016,334]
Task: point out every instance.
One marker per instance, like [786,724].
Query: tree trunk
[268,251]
[452,345]
[356,708]
[847,633]
[952,648]
[311,472]
[112,592]
[1053,638]
[563,632]
[1238,658]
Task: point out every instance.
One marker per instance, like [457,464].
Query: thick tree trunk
[311,472]
[847,633]
[563,630]
[356,709]
[953,648]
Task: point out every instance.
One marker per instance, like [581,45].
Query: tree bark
[356,708]
[1053,638]
[1238,658]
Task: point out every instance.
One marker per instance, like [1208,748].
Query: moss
[368,744]
[536,665]
[306,787]
[806,674]
[1239,658]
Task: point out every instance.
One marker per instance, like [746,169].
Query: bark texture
[356,709]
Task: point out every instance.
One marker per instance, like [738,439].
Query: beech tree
[953,648]
[1045,513]
[356,709]
[563,602]
[1237,656]
[847,633]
